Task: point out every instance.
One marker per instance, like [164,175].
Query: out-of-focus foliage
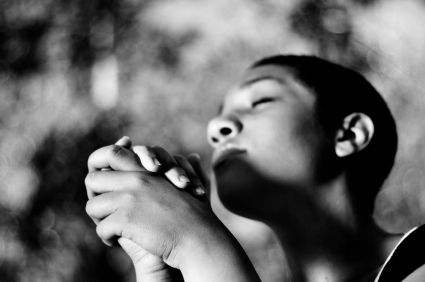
[77,75]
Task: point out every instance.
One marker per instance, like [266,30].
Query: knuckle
[142,180]
[100,230]
[89,208]
[90,159]
[115,150]
[126,218]
[89,178]
[127,198]
[123,218]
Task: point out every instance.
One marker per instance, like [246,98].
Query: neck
[326,239]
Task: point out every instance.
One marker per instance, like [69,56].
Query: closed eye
[262,101]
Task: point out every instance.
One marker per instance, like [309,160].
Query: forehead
[272,71]
[281,76]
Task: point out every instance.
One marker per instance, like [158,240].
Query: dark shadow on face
[291,211]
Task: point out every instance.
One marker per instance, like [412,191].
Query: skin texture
[272,163]
[292,176]
[158,225]
[149,267]
[271,116]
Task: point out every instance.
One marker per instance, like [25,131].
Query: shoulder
[407,261]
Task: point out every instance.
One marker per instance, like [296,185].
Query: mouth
[224,153]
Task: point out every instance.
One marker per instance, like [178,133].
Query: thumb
[124,142]
[137,253]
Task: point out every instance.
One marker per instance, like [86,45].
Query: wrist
[163,275]
[215,255]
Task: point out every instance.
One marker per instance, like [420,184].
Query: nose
[221,129]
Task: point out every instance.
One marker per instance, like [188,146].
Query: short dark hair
[340,92]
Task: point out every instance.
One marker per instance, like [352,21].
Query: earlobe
[354,134]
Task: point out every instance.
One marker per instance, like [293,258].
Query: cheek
[288,166]
[286,152]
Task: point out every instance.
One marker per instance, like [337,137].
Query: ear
[354,135]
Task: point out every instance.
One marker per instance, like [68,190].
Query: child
[301,144]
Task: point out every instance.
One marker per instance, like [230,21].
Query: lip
[224,152]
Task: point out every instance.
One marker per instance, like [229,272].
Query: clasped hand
[155,206]
[155,201]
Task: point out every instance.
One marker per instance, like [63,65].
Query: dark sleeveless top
[407,260]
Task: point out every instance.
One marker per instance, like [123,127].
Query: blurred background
[78,75]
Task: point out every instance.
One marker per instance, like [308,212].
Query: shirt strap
[408,256]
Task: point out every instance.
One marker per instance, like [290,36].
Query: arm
[218,257]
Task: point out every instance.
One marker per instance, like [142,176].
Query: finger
[125,142]
[195,161]
[148,158]
[99,182]
[109,230]
[198,189]
[172,171]
[115,157]
[101,206]
[132,249]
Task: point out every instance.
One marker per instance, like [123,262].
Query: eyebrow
[250,82]
[260,78]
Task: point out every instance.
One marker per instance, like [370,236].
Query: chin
[241,190]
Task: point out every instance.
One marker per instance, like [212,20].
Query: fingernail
[155,160]
[183,178]
[196,155]
[123,141]
[199,190]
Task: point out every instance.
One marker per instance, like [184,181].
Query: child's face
[266,140]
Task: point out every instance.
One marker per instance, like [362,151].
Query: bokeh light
[78,75]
